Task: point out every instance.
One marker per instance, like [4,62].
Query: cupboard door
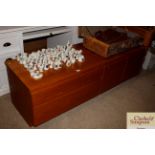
[113,73]
[10,43]
[66,86]
[134,64]
[55,107]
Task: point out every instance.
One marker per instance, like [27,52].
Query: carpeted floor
[107,110]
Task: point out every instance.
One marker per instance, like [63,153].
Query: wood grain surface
[61,90]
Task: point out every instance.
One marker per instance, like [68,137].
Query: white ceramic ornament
[81,58]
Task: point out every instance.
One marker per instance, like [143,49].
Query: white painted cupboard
[12,38]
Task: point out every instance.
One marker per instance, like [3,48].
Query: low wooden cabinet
[59,91]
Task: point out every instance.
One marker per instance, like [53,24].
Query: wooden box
[96,46]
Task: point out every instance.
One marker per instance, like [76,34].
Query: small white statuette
[81,58]
[73,60]
[36,75]
[68,63]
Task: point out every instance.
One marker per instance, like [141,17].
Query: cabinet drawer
[10,42]
[54,107]
[67,86]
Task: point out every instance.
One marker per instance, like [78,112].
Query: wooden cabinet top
[52,77]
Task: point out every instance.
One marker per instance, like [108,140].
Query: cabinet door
[54,107]
[113,73]
[134,63]
[10,43]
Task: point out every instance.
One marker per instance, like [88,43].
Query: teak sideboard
[58,91]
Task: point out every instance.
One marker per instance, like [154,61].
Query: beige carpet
[107,110]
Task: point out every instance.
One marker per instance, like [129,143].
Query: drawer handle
[7,44]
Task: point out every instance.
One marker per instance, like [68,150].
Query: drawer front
[66,87]
[10,42]
[53,107]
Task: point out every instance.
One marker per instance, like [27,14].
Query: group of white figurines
[52,58]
